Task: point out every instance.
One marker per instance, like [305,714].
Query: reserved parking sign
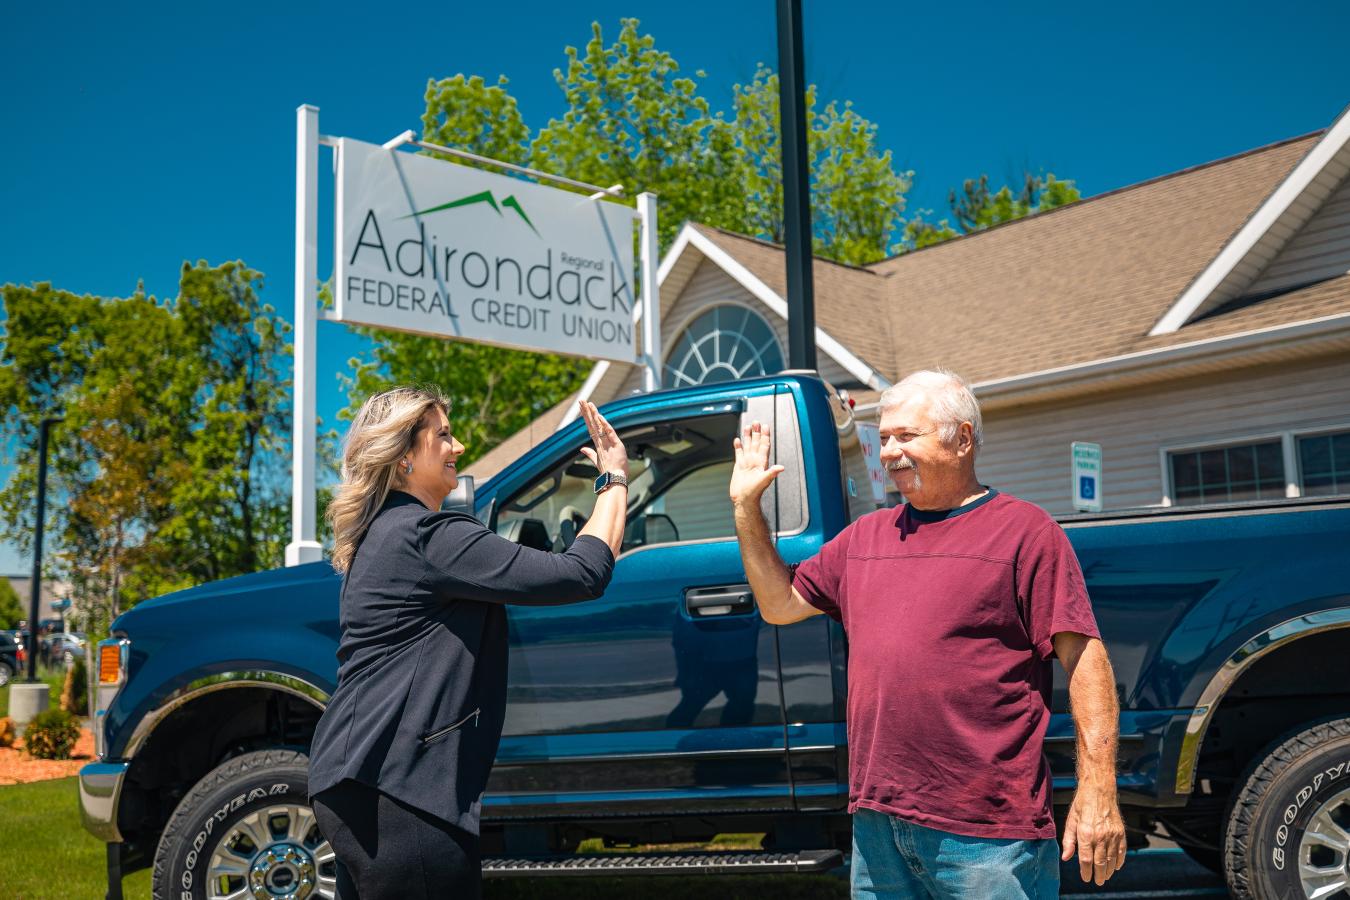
[1086,461]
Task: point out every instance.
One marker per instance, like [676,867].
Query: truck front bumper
[100,792]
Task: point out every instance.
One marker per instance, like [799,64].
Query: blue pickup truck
[668,711]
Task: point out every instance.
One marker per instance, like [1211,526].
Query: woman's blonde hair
[383,432]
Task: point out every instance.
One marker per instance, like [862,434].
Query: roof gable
[758,267]
[1283,214]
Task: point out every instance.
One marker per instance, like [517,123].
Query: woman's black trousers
[387,849]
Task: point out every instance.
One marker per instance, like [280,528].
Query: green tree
[631,118]
[976,208]
[11,609]
[241,422]
[857,197]
[170,461]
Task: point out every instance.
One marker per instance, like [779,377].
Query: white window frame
[1288,438]
[668,346]
[1343,428]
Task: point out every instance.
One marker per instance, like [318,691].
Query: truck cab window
[677,472]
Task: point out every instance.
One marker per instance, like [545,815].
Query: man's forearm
[1096,717]
[764,568]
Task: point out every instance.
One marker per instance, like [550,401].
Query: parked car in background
[64,647]
[9,656]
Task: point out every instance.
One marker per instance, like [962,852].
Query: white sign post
[1086,487]
[869,435]
[437,248]
[303,547]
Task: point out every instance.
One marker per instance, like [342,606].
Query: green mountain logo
[509,202]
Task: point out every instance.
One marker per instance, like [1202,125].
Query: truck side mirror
[461,498]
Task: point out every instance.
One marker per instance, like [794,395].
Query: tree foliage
[11,609]
[857,197]
[976,207]
[163,462]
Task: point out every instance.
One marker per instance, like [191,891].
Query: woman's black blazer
[421,693]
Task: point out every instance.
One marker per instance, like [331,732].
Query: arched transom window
[723,344]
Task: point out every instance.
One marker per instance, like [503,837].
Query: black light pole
[796,187]
[37,550]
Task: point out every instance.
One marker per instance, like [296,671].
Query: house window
[1324,463]
[723,344]
[1226,474]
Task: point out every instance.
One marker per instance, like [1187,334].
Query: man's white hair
[950,401]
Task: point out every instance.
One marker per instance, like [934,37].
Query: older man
[954,605]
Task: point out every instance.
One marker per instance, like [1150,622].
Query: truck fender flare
[222,681]
[1238,662]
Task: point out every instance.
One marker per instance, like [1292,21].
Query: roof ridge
[779,247]
[1111,193]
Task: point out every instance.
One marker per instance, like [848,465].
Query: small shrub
[6,732]
[51,735]
[75,693]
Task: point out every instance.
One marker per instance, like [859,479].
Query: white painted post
[303,548]
[651,304]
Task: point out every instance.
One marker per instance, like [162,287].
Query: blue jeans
[894,859]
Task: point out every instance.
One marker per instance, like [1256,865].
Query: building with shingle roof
[1196,326]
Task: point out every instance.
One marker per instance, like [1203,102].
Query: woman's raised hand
[609,454]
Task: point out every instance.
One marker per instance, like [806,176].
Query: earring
[407,467]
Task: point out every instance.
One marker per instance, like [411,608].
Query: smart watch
[608,480]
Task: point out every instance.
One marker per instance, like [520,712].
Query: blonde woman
[403,751]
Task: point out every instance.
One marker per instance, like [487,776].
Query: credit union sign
[438,248]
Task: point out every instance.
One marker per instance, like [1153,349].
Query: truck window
[677,471]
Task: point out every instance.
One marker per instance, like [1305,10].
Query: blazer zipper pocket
[442,732]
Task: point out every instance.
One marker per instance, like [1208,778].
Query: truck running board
[699,863]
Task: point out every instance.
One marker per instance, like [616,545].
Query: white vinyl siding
[1026,449]
[1321,249]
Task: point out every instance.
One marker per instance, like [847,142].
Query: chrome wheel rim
[273,853]
[1324,850]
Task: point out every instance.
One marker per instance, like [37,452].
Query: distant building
[50,592]
[1196,326]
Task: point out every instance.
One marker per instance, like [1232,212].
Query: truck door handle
[727,600]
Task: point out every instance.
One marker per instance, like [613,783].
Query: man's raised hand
[752,474]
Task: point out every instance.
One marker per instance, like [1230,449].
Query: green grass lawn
[46,853]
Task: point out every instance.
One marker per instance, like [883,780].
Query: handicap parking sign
[1086,461]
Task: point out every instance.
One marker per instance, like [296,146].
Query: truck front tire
[246,825]
[1289,830]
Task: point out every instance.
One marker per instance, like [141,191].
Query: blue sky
[136,138]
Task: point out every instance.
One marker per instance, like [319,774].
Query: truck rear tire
[1289,830]
[246,826]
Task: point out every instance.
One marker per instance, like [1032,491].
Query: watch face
[602,482]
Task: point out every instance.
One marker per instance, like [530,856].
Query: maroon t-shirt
[949,617]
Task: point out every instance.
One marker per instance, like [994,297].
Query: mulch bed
[17,767]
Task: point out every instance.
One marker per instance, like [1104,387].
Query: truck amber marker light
[109,664]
